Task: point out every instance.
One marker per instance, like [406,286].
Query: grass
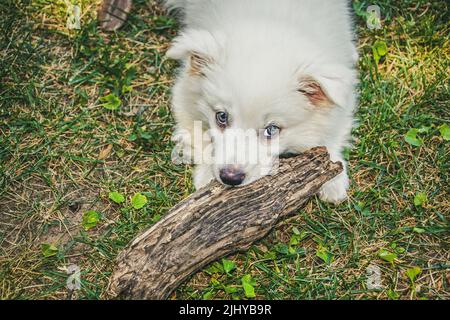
[62,152]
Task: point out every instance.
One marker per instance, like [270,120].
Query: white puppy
[284,70]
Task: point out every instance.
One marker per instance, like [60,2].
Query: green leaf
[248,278]
[216,267]
[381,47]
[147,136]
[412,139]
[111,102]
[138,201]
[116,197]
[156,218]
[228,265]
[215,283]
[412,273]
[249,290]
[48,250]
[294,240]
[418,230]
[271,255]
[393,295]
[359,9]
[90,219]
[420,199]
[424,129]
[132,137]
[248,284]
[230,289]
[282,248]
[346,153]
[207,296]
[400,250]
[445,131]
[323,253]
[387,255]
[126,89]
[292,250]
[379,50]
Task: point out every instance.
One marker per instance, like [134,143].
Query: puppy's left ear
[198,63]
[328,86]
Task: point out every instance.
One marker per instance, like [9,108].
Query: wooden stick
[112,14]
[216,221]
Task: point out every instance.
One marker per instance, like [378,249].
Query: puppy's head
[256,101]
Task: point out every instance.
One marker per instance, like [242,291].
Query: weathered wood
[214,222]
[112,14]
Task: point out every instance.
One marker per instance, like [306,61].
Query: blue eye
[222,119]
[271,131]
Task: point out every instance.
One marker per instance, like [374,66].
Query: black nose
[232,176]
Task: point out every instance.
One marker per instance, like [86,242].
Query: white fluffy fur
[258,52]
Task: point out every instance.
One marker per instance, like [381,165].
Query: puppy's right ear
[199,49]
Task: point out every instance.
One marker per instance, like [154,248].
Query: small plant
[420,199]
[248,284]
[90,219]
[393,295]
[215,268]
[412,274]
[48,250]
[324,254]
[418,230]
[228,265]
[138,201]
[208,295]
[111,102]
[379,50]
[116,197]
[445,131]
[387,255]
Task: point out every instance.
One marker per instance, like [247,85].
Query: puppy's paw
[335,191]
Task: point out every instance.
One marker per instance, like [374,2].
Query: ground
[64,147]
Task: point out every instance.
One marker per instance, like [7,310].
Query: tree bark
[216,221]
[112,14]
